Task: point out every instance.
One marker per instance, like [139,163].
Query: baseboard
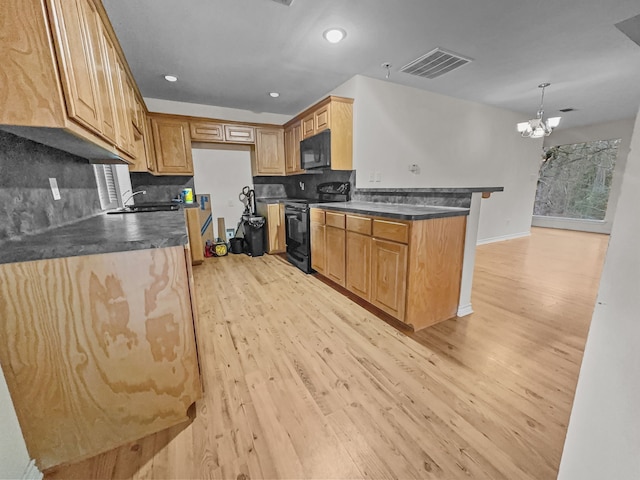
[464,310]
[31,472]
[502,238]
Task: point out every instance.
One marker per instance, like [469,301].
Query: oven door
[297,228]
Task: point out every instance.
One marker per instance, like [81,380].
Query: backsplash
[26,202]
[418,196]
[266,187]
[159,189]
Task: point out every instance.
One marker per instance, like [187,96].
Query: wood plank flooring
[300,382]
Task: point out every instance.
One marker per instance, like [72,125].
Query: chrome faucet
[143,192]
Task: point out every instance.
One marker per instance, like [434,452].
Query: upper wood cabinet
[62,79]
[336,114]
[74,26]
[269,152]
[203,131]
[292,137]
[239,134]
[172,145]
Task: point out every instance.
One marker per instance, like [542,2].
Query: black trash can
[254,236]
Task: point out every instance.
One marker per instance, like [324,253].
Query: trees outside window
[575,180]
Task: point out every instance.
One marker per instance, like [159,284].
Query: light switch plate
[378,176]
[54,188]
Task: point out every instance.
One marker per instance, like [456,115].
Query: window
[107,181]
[575,180]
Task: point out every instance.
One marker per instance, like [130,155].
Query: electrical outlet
[378,176]
[371,176]
[54,188]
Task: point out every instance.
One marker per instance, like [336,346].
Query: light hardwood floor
[303,383]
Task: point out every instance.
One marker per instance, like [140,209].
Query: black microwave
[315,152]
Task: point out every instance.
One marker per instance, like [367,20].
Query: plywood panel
[195,238]
[97,350]
[435,268]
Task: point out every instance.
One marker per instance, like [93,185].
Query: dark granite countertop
[101,234]
[430,190]
[279,199]
[393,210]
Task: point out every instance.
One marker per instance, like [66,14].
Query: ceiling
[231,53]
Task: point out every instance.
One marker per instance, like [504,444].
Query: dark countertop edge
[27,254]
[20,250]
[444,211]
[384,191]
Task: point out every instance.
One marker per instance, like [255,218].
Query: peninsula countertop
[104,233]
[393,210]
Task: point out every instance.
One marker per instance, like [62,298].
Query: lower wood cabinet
[318,246]
[409,269]
[172,145]
[335,255]
[389,276]
[196,247]
[275,226]
[98,350]
[358,269]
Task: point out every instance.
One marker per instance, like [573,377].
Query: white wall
[223,173]
[603,440]
[456,143]
[197,110]
[621,129]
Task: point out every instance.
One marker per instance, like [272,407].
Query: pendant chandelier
[539,127]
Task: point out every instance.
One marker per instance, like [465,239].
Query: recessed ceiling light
[171,78]
[274,94]
[334,35]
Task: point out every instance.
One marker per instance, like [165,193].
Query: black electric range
[298,225]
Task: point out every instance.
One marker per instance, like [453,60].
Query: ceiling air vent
[435,63]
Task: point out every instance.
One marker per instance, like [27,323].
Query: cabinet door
[239,134]
[358,278]
[321,119]
[104,78]
[336,255]
[125,127]
[275,228]
[149,149]
[77,64]
[269,151]
[318,248]
[389,276]
[172,146]
[308,126]
[292,137]
[206,132]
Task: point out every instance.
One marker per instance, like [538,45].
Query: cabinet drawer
[335,219]
[206,132]
[317,216]
[389,230]
[359,224]
[239,134]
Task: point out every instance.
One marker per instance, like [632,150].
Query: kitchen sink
[147,207]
